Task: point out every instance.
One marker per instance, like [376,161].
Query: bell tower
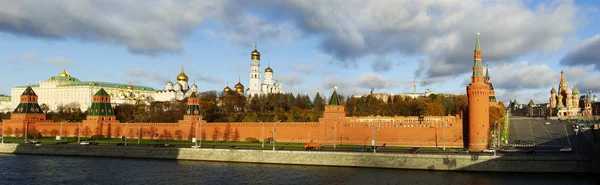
[478,93]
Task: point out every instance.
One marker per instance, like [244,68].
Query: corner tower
[28,108]
[478,93]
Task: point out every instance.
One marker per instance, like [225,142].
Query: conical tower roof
[335,99]
[28,92]
[101,92]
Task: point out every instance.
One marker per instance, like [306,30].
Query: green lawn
[219,144]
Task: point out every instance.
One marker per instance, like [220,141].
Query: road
[541,134]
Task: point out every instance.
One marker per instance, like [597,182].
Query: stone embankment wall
[578,164]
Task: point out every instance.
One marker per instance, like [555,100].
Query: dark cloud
[383,64]
[586,54]
[144,27]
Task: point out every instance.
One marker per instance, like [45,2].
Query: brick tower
[27,114]
[332,119]
[101,116]
[192,117]
[478,93]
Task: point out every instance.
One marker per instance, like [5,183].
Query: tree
[44,108]
[216,133]
[86,131]
[45,132]
[179,134]
[118,131]
[18,132]
[236,135]
[76,132]
[9,131]
[54,132]
[131,133]
[227,132]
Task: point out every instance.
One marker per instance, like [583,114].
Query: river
[46,169]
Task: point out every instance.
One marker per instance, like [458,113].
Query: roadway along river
[42,169]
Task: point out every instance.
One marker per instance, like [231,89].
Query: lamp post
[374,137]
[200,133]
[334,136]
[79,132]
[3,132]
[263,134]
[196,122]
[60,134]
[445,124]
[274,129]
[26,129]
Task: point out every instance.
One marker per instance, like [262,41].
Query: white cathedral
[177,91]
[268,86]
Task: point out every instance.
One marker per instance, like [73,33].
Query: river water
[45,169]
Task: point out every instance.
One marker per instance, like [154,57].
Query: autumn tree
[86,131]
[227,132]
[236,135]
[179,134]
[216,133]
[118,131]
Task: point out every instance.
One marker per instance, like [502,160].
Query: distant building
[5,104]
[565,102]
[268,85]
[177,91]
[64,89]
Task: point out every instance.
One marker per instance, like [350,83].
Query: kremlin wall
[333,127]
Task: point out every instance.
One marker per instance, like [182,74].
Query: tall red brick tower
[478,93]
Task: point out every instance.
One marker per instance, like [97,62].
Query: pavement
[547,135]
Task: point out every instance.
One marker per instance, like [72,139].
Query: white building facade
[268,85]
[177,91]
[64,89]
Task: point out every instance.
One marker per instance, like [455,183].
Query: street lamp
[200,133]
[79,132]
[3,132]
[263,133]
[274,129]
[445,123]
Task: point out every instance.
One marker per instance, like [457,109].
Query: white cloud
[292,80]
[139,73]
[60,61]
[210,79]
[523,75]
[372,80]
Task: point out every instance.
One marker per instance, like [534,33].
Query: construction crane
[415,82]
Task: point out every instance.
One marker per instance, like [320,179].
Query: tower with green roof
[28,108]
[101,115]
[333,117]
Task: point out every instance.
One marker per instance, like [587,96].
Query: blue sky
[312,46]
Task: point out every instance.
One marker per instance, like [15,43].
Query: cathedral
[565,102]
[177,91]
[267,86]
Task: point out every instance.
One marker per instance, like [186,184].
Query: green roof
[192,110]
[63,79]
[100,109]
[335,99]
[101,92]
[30,108]
[99,84]
[193,95]
[28,92]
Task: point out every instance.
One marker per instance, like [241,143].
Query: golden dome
[268,70]
[227,89]
[129,87]
[239,87]
[64,73]
[255,55]
[182,76]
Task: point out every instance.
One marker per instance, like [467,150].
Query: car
[531,152]
[94,143]
[162,145]
[463,151]
[547,123]
[196,146]
[363,149]
[565,149]
[414,150]
[33,142]
[489,150]
[121,144]
[84,143]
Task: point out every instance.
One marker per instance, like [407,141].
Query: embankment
[576,164]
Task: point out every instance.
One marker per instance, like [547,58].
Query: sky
[312,45]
